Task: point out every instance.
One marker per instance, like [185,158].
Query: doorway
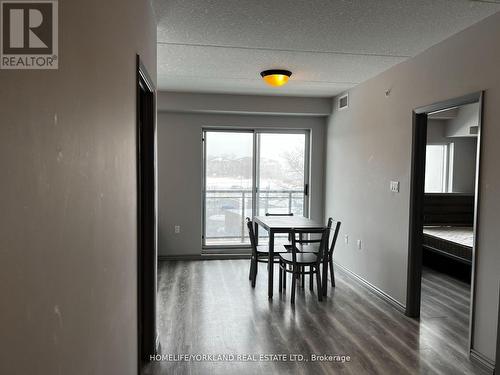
[444,200]
[251,172]
[147,221]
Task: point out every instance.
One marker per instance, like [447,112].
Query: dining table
[284,224]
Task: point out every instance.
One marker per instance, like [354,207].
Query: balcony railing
[226,210]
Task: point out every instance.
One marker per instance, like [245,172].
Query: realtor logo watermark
[29,35]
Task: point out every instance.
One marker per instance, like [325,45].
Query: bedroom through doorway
[445,177]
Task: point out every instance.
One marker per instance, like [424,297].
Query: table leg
[271,264]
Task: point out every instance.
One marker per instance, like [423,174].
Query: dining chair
[308,245]
[332,248]
[260,253]
[297,263]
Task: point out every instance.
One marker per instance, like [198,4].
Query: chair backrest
[335,235]
[323,240]
[251,234]
[306,240]
[288,214]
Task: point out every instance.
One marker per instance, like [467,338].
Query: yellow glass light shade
[276,78]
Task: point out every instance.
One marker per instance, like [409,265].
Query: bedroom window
[437,168]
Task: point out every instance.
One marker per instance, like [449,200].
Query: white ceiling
[329,45]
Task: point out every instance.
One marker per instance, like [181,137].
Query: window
[281,173]
[437,168]
[229,182]
[251,172]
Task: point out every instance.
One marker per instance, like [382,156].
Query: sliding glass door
[247,172]
[281,173]
[229,181]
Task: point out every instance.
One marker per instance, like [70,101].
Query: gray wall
[467,117]
[68,269]
[180,171]
[436,132]
[243,104]
[464,165]
[370,144]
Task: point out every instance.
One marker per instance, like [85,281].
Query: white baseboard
[481,361]
[377,291]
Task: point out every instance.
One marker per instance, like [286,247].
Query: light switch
[394,186]
[177,229]
[360,245]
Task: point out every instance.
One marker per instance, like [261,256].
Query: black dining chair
[300,263]
[260,253]
[311,246]
[332,248]
[307,244]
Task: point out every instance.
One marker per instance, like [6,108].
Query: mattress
[454,242]
[460,235]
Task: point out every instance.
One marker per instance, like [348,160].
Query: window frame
[243,248]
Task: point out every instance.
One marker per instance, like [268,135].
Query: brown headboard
[449,209]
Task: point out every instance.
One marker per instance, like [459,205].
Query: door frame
[414,272]
[497,360]
[147,217]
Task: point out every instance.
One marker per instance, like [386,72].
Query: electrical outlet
[394,186]
[177,229]
[360,245]
[346,239]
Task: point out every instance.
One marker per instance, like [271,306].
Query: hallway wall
[68,241]
[370,144]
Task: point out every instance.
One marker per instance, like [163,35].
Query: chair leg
[284,276]
[332,274]
[294,282]
[303,282]
[318,280]
[250,274]
[311,287]
[280,287]
[254,278]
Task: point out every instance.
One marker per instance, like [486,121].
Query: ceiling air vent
[343,102]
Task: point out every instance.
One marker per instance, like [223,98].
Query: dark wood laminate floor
[209,307]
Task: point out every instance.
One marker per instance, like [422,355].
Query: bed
[448,225]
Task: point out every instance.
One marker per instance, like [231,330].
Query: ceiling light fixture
[276,77]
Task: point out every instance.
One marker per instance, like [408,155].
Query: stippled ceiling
[329,45]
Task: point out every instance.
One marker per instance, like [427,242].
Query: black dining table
[284,224]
